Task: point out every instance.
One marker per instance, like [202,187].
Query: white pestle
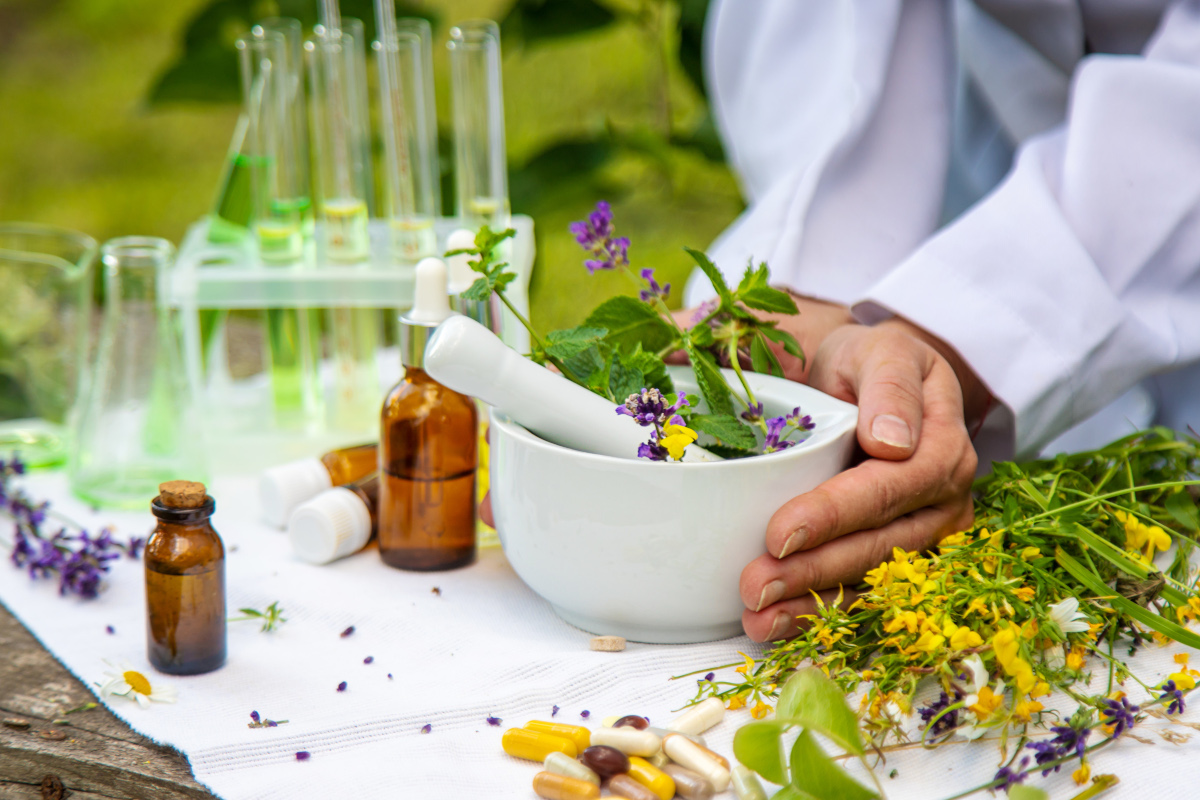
[468,358]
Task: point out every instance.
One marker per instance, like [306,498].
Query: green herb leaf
[652,368]
[629,322]
[481,289]
[702,336]
[759,745]
[624,380]
[571,342]
[790,345]
[711,382]
[815,774]
[812,700]
[728,429]
[1180,506]
[581,367]
[714,275]
[762,359]
[729,452]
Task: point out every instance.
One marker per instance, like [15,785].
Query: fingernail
[890,429]
[771,593]
[794,542]
[782,620]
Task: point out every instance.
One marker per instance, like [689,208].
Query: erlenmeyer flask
[138,426]
[45,318]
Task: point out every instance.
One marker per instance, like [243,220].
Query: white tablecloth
[485,646]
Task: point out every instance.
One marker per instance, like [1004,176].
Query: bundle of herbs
[1073,564]
[619,350]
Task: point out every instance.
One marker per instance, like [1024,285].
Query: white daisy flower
[1067,616]
[125,681]
[978,678]
[1056,657]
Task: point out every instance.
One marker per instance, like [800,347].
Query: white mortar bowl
[651,551]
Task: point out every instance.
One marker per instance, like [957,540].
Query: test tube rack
[211,276]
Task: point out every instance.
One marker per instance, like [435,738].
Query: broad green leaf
[624,380]
[791,793]
[629,322]
[815,774]
[728,429]
[582,366]
[1019,791]
[1117,557]
[762,359]
[790,345]
[1180,506]
[702,336]
[811,700]
[1142,615]
[712,383]
[481,289]
[754,278]
[571,342]
[759,745]
[652,368]
[714,275]
[766,298]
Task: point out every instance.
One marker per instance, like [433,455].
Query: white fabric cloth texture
[1069,269]
[485,646]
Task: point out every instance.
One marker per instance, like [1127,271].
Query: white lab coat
[870,135]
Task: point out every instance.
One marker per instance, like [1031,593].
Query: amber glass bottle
[427,450]
[185,583]
[351,463]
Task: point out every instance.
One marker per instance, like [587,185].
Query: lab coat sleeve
[1080,274]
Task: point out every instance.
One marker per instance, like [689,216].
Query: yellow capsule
[560,787]
[651,777]
[582,737]
[535,745]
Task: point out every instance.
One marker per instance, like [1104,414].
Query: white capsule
[687,753]
[661,732]
[746,785]
[699,717]
[563,764]
[629,741]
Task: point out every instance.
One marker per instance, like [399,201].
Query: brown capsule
[52,735]
[632,721]
[689,785]
[630,789]
[605,761]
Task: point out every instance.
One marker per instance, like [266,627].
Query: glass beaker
[45,317]
[138,426]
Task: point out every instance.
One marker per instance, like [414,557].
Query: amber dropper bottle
[286,486]
[185,582]
[427,449]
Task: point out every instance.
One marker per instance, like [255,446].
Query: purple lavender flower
[347,632]
[802,423]
[595,234]
[554,711]
[1010,775]
[342,686]
[390,676]
[776,427]
[272,723]
[943,723]
[1068,740]
[754,413]
[1119,714]
[1171,690]
[648,295]
[494,721]
[254,716]
[585,713]
[704,309]
[710,676]
[134,548]
[648,407]
[109,629]
[427,727]
[652,450]
[303,755]
[369,659]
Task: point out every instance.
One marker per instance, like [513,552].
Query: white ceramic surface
[652,551]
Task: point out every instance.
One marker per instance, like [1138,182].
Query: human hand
[913,489]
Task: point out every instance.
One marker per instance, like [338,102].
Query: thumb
[890,389]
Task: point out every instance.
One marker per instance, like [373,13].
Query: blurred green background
[118,115]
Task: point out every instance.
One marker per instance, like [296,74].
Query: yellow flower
[736,702]
[1004,643]
[1030,553]
[1025,709]
[927,643]
[676,438]
[1082,774]
[1030,629]
[867,675]
[977,605]
[1182,680]
[745,668]
[880,576]
[1156,539]
[1075,658]
[987,703]
[1025,593]
[962,637]
[760,710]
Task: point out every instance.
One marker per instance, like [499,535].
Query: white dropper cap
[431,306]
[459,271]
[283,488]
[330,526]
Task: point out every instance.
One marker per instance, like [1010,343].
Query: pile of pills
[631,759]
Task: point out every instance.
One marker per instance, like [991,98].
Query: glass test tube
[406,89]
[277,221]
[480,167]
[299,192]
[341,140]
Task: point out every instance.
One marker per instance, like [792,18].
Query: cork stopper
[181,494]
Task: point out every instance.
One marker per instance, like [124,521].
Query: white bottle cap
[430,303]
[459,272]
[332,525]
[283,488]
